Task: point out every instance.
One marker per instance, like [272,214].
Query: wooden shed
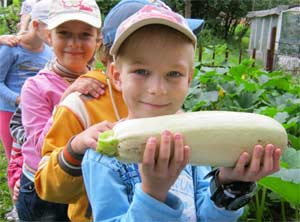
[3,3]
[287,45]
[262,23]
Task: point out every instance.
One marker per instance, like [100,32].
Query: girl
[74,35]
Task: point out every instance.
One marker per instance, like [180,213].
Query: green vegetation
[9,17]
[276,94]
[5,200]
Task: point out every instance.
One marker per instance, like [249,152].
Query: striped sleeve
[70,161]
[17,130]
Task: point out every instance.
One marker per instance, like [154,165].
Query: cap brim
[58,20]
[44,21]
[195,24]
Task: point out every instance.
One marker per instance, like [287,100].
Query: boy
[59,178]
[154,53]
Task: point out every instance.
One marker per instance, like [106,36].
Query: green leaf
[295,141]
[287,190]
[248,99]
[268,111]
[292,157]
[281,117]
[229,87]
[289,175]
[263,79]
[198,106]
[211,96]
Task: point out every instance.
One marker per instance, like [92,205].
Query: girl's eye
[85,35]
[174,74]
[143,72]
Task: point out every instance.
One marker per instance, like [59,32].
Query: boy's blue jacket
[115,194]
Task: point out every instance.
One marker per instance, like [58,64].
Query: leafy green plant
[246,88]
[9,17]
[5,200]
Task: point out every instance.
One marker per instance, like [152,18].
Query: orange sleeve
[52,181]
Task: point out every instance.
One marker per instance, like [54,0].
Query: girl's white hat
[62,11]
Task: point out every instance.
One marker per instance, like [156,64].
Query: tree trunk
[188,9]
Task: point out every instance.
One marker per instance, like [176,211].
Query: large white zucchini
[216,138]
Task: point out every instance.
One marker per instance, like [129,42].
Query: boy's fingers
[276,161]
[178,148]
[256,161]
[92,142]
[149,154]
[268,159]
[187,154]
[239,168]
[164,152]
[178,153]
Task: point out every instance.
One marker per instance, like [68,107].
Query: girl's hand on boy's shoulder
[86,86]
[89,137]
[263,162]
[10,40]
[162,163]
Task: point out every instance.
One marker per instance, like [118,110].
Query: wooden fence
[3,3]
[268,67]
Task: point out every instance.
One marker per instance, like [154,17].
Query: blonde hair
[103,54]
[164,33]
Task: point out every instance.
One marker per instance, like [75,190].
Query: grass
[5,200]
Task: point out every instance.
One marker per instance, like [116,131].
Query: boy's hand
[264,161]
[86,86]
[89,137]
[160,166]
[16,191]
[10,40]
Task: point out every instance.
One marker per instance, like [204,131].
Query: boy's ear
[35,24]
[115,76]
[49,37]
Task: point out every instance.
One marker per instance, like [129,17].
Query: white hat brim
[58,20]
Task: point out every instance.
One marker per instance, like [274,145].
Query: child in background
[16,65]
[14,169]
[59,177]
[25,17]
[154,54]
[74,34]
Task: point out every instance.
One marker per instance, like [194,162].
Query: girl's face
[154,75]
[74,44]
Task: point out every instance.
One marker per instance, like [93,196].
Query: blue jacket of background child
[16,65]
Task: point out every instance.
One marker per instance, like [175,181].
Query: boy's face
[74,44]
[154,73]
[43,32]
[40,29]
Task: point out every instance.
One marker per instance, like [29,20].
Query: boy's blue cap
[126,8]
